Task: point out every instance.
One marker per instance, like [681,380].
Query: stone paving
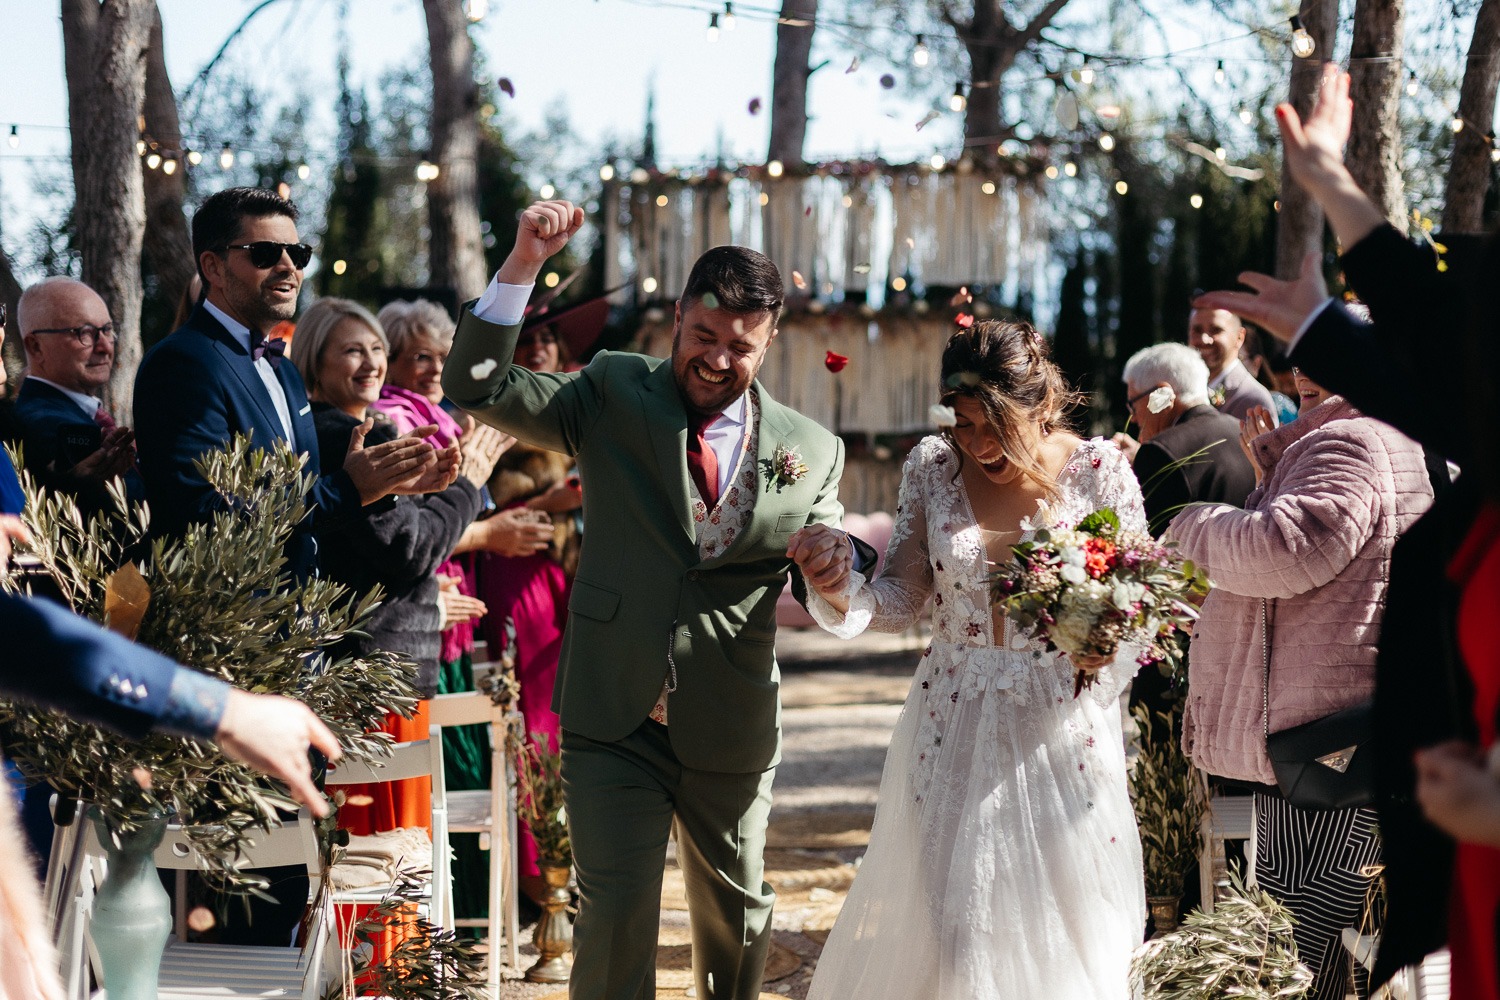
[840,703]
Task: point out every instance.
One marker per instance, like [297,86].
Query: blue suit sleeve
[57,660]
[12,500]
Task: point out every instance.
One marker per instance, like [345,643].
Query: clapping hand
[1257,421]
[515,532]
[825,557]
[481,447]
[377,471]
[454,606]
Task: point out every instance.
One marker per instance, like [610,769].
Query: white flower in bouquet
[1127,592]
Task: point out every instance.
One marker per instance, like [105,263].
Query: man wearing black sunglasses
[219,376]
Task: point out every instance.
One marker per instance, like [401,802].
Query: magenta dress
[532,591]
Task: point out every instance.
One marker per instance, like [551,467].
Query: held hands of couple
[825,557]
[544,230]
[407,465]
[1458,793]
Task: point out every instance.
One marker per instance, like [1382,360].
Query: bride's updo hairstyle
[1006,367]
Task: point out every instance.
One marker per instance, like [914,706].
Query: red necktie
[104,420]
[702,462]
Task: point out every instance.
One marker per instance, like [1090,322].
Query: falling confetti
[942,416]
[807,211]
[961,297]
[710,300]
[887,81]
[361,800]
[201,919]
[929,118]
[853,65]
[755,105]
[798,280]
[834,362]
[861,268]
[142,777]
[964,320]
[911,244]
[483,369]
[507,87]
[739,328]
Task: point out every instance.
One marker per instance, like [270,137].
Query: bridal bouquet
[1087,589]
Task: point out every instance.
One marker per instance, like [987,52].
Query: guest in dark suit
[1437,672]
[1217,335]
[1188,451]
[218,376]
[71,441]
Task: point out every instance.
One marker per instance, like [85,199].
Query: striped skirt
[1319,864]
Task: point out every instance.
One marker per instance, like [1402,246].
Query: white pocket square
[305,410]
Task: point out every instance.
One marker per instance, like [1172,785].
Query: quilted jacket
[1314,541]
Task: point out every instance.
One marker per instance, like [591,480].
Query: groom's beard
[699,395]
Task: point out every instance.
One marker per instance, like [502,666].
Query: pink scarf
[407,409]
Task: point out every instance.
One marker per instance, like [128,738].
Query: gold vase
[1163,913]
[553,935]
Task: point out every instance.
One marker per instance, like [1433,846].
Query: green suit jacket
[642,589]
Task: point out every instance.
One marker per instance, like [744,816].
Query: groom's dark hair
[740,280]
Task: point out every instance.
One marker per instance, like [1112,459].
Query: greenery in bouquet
[1242,949]
[539,798]
[1089,589]
[1169,798]
[219,600]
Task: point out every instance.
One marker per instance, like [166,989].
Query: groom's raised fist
[544,230]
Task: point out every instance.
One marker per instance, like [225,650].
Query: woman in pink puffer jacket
[1313,542]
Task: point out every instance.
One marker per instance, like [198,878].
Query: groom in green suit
[701,493]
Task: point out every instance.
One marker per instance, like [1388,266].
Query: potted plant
[539,802]
[217,600]
[1169,799]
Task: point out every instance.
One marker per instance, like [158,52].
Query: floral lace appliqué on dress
[1004,862]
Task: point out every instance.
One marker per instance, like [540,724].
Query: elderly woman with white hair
[1188,451]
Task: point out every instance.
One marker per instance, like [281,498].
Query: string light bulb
[15,137]
[607,172]
[427,171]
[140,144]
[1457,124]
[1221,154]
[1106,142]
[919,53]
[1121,187]
[547,191]
[728,17]
[1246,116]
[1411,84]
[169,166]
[1302,43]
[303,171]
[1070,168]
[713,28]
[1195,200]
[775,168]
[1085,74]
[649,285]
[475,10]
[1219,75]
[938,161]
[226,157]
[194,157]
[1495,155]
[153,161]
[958,101]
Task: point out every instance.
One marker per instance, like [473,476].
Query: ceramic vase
[132,912]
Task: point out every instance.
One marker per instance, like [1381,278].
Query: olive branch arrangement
[220,601]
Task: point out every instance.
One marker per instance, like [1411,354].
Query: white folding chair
[1228,817]
[476,811]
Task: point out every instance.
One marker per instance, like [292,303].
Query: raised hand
[272,734]
[544,230]
[378,470]
[825,557]
[482,446]
[1279,307]
[1128,445]
[1314,150]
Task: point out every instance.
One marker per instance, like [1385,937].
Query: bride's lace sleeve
[892,602]
[1113,485]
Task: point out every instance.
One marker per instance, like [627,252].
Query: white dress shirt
[241,333]
[88,404]
[505,305]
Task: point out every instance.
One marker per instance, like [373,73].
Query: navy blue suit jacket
[194,391]
[44,413]
[56,659]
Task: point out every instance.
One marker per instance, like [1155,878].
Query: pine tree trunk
[104,52]
[1374,154]
[789,81]
[1299,224]
[1470,170]
[167,242]
[457,245]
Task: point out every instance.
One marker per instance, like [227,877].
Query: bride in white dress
[1004,863]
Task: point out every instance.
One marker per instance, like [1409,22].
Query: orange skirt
[392,805]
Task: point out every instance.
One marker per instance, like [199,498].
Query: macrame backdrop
[840,239]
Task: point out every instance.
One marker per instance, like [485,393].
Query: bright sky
[599,56]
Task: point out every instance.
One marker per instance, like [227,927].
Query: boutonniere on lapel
[1216,397]
[783,468]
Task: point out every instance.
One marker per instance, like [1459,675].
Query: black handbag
[1328,763]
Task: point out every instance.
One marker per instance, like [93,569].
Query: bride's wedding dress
[1004,863]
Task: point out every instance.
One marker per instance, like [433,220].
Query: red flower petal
[964,320]
[835,362]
